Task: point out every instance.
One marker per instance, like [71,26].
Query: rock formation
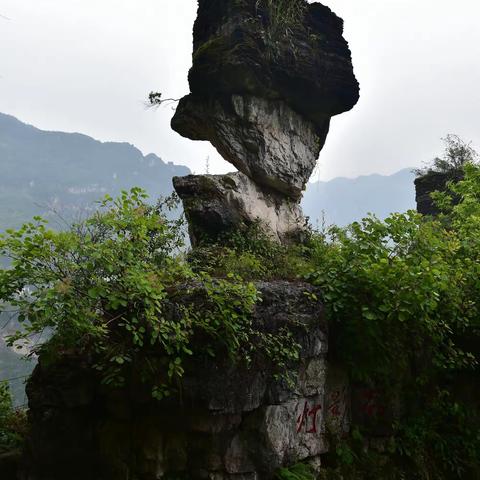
[215,204]
[264,86]
[232,422]
[431,182]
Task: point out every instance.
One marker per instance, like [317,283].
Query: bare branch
[155,100]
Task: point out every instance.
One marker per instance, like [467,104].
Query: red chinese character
[303,418]
[334,404]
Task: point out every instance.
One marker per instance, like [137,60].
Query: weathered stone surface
[245,390]
[429,183]
[291,431]
[263,92]
[265,139]
[337,400]
[218,204]
[231,423]
[238,49]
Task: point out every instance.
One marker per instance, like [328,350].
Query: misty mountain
[343,200]
[41,171]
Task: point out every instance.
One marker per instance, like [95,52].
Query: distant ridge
[41,170]
[345,200]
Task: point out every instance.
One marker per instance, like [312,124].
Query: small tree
[155,100]
[456,155]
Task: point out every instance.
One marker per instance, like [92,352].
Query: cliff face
[266,79]
[229,422]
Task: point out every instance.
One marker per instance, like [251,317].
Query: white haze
[87,66]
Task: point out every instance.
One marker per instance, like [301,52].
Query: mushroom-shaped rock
[265,81]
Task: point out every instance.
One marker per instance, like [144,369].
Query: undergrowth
[12,421]
[299,471]
[281,18]
[252,254]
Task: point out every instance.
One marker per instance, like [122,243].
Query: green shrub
[299,471]
[457,154]
[283,15]
[253,255]
[281,18]
[107,288]
[402,297]
[12,421]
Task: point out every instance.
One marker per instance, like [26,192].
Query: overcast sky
[88,65]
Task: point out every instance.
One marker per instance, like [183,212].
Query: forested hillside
[45,171]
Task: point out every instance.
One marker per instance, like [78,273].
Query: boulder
[215,205]
[252,47]
[431,182]
[265,139]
